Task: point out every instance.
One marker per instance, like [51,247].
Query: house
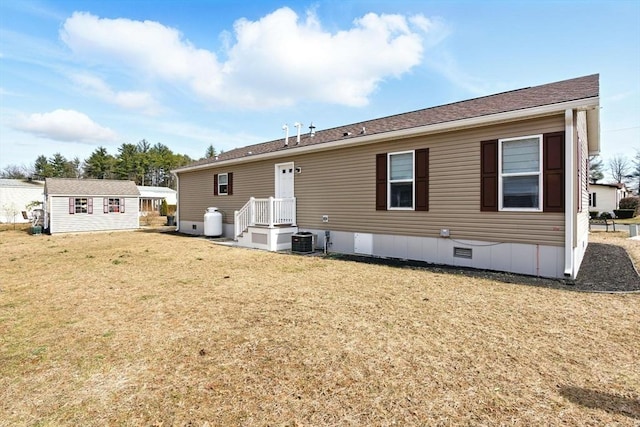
[606,197]
[18,195]
[151,198]
[74,205]
[498,182]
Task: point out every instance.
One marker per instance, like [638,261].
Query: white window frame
[412,181]
[112,204]
[539,174]
[78,206]
[226,193]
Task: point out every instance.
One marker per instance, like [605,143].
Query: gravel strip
[605,268]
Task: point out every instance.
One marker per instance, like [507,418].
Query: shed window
[80,205]
[113,205]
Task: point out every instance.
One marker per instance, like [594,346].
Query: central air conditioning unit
[303,242]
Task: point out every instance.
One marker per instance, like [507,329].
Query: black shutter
[72,206]
[215,184]
[422,179]
[230,183]
[594,200]
[553,172]
[489,176]
[381,182]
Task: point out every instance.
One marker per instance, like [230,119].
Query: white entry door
[284,180]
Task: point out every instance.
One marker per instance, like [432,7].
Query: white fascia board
[509,116]
[593,131]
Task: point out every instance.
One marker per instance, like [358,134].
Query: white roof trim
[509,116]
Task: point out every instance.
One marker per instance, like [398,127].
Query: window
[223,184]
[520,171]
[113,205]
[401,180]
[80,205]
[523,174]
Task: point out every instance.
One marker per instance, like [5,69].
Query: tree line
[143,163]
[621,169]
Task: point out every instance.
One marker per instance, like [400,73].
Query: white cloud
[446,65]
[130,100]
[64,125]
[276,60]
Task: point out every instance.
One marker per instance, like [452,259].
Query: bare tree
[11,211]
[619,168]
[595,169]
[635,172]
[14,172]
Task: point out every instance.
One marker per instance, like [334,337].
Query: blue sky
[76,75]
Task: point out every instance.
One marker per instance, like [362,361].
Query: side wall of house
[340,184]
[61,221]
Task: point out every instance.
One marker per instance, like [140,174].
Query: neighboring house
[15,195]
[151,198]
[497,182]
[606,197]
[73,205]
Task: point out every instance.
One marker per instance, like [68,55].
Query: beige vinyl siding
[195,192]
[61,221]
[341,184]
[583,173]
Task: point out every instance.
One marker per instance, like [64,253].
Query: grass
[185,332]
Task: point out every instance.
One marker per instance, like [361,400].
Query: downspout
[569,200]
[177,201]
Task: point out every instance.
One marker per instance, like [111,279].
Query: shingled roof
[521,99]
[90,187]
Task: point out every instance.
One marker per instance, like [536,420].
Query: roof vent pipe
[285,128]
[312,130]
[298,126]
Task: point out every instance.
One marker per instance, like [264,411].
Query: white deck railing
[265,212]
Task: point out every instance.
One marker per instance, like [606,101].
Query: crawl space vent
[462,253]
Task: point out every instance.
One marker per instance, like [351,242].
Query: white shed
[73,205]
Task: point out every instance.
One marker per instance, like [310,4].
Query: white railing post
[271,203]
[236,224]
[293,213]
[252,211]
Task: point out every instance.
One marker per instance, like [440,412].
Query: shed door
[284,180]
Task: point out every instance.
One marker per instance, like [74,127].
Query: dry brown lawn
[140,328]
